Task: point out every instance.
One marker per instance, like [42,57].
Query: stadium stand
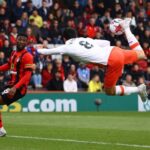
[44,22]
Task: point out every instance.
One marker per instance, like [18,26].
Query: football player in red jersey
[20,66]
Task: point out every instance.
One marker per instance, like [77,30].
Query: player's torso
[86,50]
[16,65]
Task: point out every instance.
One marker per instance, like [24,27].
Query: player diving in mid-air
[114,58]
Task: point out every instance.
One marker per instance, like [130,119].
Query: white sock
[133,42]
[125,90]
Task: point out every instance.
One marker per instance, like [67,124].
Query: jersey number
[86,44]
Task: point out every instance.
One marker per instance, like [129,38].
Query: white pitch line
[77,141]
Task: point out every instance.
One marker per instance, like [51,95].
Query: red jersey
[13,39]
[2,39]
[46,76]
[91,31]
[20,65]
[31,39]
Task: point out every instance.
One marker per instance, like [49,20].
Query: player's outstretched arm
[5,67]
[58,50]
[24,80]
[27,63]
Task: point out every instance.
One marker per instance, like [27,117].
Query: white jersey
[83,49]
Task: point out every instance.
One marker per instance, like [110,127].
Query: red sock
[1,124]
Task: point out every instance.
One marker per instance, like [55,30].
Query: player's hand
[12,91]
[38,46]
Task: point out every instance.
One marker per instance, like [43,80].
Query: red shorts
[117,59]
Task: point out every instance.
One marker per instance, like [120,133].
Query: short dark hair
[69,33]
[22,34]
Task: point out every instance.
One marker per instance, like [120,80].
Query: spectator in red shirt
[148,9]
[31,37]
[146,47]
[47,74]
[13,36]
[91,29]
[80,29]
[2,38]
[142,65]
[73,71]
[59,67]
[50,19]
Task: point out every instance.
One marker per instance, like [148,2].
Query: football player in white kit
[100,52]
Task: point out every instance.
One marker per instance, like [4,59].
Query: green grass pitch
[76,131]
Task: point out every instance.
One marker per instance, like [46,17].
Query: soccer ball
[115,27]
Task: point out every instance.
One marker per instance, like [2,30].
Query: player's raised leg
[135,45]
[114,71]
[124,90]
[141,90]
[2,130]
[133,42]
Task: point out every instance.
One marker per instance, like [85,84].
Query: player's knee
[110,91]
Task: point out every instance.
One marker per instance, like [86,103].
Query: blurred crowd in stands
[44,22]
